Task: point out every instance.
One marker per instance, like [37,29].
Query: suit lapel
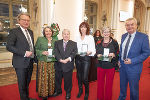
[31,36]
[61,45]
[123,38]
[134,42]
[67,46]
[22,35]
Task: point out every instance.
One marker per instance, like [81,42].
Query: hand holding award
[106,56]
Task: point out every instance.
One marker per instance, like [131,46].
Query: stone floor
[8,76]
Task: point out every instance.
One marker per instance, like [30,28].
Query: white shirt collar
[22,28]
[65,41]
[133,34]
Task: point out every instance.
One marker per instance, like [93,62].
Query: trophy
[50,56]
[105,56]
[50,52]
[84,50]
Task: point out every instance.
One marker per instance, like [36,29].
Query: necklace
[106,44]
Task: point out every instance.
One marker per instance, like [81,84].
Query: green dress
[45,71]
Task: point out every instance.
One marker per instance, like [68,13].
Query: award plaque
[50,52]
[50,56]
[84,50]
[105,56]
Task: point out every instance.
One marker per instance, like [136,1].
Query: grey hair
[23,13]
[106,28]
[129,19]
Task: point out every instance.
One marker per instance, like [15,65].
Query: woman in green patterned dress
[46,72]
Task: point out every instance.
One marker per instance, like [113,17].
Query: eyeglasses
[25,20]
[106,32]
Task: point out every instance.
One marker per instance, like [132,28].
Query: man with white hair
[65,51]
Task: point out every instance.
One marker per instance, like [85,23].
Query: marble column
[67,16]
[46,7]
[114,18]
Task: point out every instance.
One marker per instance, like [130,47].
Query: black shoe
[32,99]
[80,93]
[44,98]
[57,93]
[68,96]
[86,97]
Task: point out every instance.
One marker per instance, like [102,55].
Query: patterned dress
[46,78]
[45,71]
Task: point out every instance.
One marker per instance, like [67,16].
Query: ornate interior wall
[140,14]
[104,12]
[35,12]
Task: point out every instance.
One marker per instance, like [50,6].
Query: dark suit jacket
[138,52]
[71,51]
[18,45]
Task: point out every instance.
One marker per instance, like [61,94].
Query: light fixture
[22,9]
[85,18]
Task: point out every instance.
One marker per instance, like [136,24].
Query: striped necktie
[126,48]
[30,43]
[65,43]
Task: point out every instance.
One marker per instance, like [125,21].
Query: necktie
[29,42]
[65,43]
[126,48]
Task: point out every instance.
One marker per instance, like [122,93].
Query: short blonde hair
[23,13]
[106,28]
[129,19]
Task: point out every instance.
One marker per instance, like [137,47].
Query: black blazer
[18,45]
[114,48]
[71,51]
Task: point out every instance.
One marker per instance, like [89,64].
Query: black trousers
[24,78]
[83,65]
[67,80]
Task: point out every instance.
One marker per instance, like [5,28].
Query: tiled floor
[8,76]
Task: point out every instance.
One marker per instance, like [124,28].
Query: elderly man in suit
[21,43]
[65,51]
[134,49]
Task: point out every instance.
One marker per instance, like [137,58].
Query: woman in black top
[106,52]
[97,36]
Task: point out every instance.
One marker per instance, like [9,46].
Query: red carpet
[11,92]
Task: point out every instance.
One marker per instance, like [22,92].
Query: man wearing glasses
[20,42]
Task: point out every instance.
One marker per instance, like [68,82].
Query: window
[91,14]
[9,9]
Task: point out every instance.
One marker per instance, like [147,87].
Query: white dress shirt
[89,40]
[130,43]
[66,45]
[24,32]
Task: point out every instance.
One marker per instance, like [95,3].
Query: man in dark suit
[21,43]
[65,52]
[134,49]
